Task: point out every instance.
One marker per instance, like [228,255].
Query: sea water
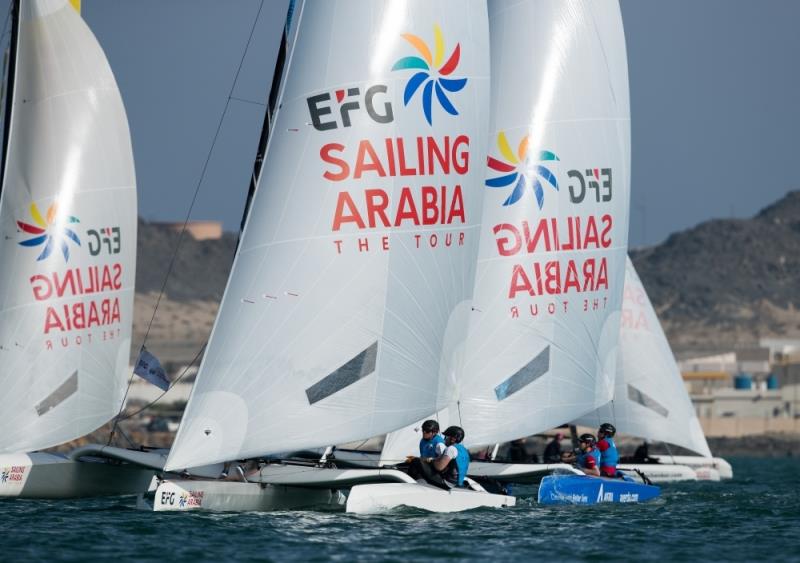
[755,516]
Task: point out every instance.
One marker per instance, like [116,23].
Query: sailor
[589,457]
[432,443]
[608,450]
[453,464]
[447,470]
[552,452]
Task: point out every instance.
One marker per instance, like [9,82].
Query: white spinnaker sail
[543,334]
[351,285]
[68,251]
[650,398]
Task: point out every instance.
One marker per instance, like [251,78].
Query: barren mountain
[722,283]
[728,281]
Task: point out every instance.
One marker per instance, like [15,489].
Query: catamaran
[543,339]
[650,399]
[349,295]
[68,211]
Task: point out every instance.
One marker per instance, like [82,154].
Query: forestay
[351,284]
[650,399]
[68,214]
[545,322]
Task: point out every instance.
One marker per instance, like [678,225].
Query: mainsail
[545,321]
[351,283]
[650,399]
[68,251]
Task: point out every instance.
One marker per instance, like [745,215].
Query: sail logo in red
[433,73]
[524,170]
[49,231]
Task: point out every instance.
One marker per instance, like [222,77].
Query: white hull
[370,499]
[232,496]
[661,473]
[49,476]
[523,473]
[695,461]
[326,478]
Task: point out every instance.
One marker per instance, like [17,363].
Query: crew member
[608,450]
[453,464]
[432,443]
[589,457]
[449,469]
[552,452]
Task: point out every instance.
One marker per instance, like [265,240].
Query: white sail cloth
[350,289]
[68,250]
[545,322]
[650,398]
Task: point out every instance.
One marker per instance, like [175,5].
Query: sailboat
[68,213]
[544,327]
[650,399]
[351,283]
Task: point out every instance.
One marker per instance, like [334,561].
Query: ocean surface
[755,516]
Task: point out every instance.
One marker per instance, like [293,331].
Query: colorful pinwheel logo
[433,80]
[522,168]
[48,232]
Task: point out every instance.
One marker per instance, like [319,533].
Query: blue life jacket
[456,470]
[610,457]
[427,448]
[581,459]
[462,461]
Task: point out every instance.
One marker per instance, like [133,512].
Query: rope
[189,214]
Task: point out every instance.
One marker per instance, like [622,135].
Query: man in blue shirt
[608,450]
[432,443]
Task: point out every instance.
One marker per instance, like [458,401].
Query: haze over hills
[722,283]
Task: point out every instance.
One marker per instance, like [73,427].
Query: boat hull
[231,496]
[584,489]
[662,473]
[41,475]
[695,461]
[521,473]
[371,499]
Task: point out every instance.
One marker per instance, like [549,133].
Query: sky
[714,114]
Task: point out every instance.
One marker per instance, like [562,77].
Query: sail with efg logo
[351,284]
[544,324]
[68,214]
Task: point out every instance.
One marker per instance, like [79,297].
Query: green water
[755,516]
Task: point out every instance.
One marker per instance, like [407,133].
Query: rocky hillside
[728,281]
[724,282]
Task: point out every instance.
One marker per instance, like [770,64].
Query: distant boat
[544,329]
[351,281]
[68,255]
[650,398]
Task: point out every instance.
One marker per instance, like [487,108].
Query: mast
[266,127]
[12,70]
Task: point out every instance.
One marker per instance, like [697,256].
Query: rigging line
[460,423]
[262,104]
[191,207]
[172,384]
